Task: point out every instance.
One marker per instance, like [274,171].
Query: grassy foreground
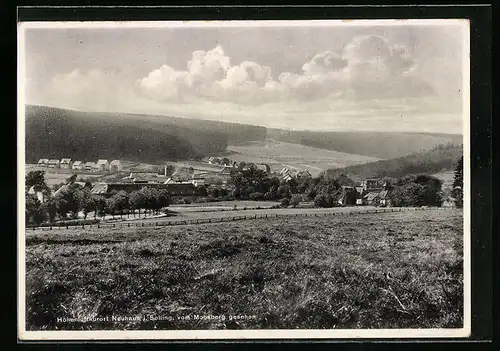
[392,270]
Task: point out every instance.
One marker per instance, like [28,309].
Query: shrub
[184,200]
[270,195]
[285,202]
[296,199]
[320,201]
[256,196]
[214,193]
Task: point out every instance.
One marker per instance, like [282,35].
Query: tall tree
[458,183]
[36,179]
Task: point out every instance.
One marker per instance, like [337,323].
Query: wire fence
[167,223]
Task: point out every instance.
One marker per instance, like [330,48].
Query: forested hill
[56,133]
[385,145]
[440,158]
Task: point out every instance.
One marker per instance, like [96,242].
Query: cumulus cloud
[325,62]
[209,74]
[369,67]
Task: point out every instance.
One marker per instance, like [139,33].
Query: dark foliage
[54,132]
[440,158]
[458,183]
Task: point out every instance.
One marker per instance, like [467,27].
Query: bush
[320,201]
[256,196]
[214,193]
[285,202]
[270,196]
[296,200]
[184,200]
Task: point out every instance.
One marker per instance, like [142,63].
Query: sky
[406,76]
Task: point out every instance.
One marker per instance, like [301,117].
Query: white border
[242,23]
[241,334]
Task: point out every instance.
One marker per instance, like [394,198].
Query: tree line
[251,183]
[74,199]
[246,182]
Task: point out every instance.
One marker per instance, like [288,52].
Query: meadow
[294,156]
[384,270]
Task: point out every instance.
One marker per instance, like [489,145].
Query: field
[294,156]
[446,177]
[391,270]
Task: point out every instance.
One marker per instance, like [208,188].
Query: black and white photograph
[243,179]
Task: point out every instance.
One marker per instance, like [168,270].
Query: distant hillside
[55,132]
[385,145]
[439,159]
[236,133]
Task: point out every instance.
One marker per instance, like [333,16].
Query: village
[212,173]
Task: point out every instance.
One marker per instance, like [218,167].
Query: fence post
[156,224]
[83,226]
[128,225]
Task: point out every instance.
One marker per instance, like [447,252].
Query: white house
[115,165]
[43,162]
[103,165]
[53,163]
[66,163]
[90,166]
[78,165]
[38,194]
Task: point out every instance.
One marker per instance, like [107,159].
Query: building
[103,165]
[377,198]
[66,163]
[80,185]
[145,177]
[43,162]
[303,174]
[286,174]
[53,163]
[115,165]
[90,166]
[198,182]
[370,185]
[384,198]
[264,167]
[182,175]
[78,166]
[215,160]
[39,194]
[107,189]
[371,198]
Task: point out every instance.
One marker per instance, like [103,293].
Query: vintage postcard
[190,180]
